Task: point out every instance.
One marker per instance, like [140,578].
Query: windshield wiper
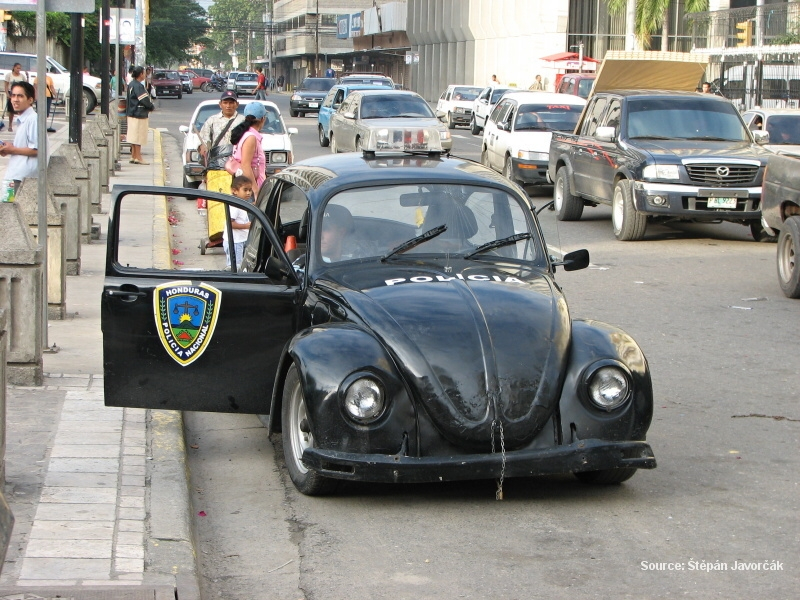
[651,137]
[711,138]
[512,239]
[428,235]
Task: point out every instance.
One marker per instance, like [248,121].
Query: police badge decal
[186,315]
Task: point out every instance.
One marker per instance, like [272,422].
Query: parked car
[204,73]
[276,141]
[780,216]
[332,102]
[782,125]
[576,84]
[197,79]
[167,83]
[92,86]
[455,105]
[246,83]
[230,81]
[659,156]
[374,114]
[417,332]
[367,79]
[186,83]
[482,106]
[516,139]
[309,95]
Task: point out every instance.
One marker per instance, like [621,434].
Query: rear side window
[500,111]
[593,116]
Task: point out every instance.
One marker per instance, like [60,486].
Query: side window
[508,118]
[339,97]
[613,114]
[345,107]
[485,94]
[593,116]
[499,108]
[444,94]
[329,99]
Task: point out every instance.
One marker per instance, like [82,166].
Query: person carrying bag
[138,112]
[215,135]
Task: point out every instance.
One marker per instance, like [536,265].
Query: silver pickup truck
[780,211]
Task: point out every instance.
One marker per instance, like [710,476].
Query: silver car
[371,114]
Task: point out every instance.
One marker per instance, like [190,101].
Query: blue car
[330,105]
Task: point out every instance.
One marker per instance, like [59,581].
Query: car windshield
[317,85]
[247,77]
[784,129]
[584,87]
[371,223]
[466,94]
[367,81]
[165,75]
[497,93]
[386,107]
[687,118]
[547,117]
[272,124]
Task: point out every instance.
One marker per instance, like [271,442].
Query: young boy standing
[242,188]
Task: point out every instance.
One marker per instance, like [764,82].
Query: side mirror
[183,129]
[292,130]
[605,134]
[336,105]
[349,115]
[574,261]
[761,137]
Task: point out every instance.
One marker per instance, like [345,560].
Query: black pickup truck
[781,212]
[657,155]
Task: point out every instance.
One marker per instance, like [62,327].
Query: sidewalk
[100,495]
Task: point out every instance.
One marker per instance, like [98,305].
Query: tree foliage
[652,16]
[227,16]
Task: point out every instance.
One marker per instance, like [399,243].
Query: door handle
[125,295]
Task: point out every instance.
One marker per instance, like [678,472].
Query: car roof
[354,87]
[241,101]
[326,174]
[377,91]
[767,112]
[660,93]
[523,97]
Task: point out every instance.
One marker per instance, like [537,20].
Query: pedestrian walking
[50,91]
[247,138]
[14,75]
[23,161]
[215,135]
[537,85]
[261,85]
[138,111]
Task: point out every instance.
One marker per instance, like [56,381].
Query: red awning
[568,56]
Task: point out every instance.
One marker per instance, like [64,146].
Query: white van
[780,86]
[92,86]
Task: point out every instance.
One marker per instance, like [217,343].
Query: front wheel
[323,139]
[760,234]
[450,123]
[607,476]
[89,101]
[205,87]
[473,126]
[293,113]
[297,436]
[788,253]
[333,145]
[568,206]
[629,224]
[508,169]
[485,158]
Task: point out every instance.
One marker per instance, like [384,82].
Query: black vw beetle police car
[395,316]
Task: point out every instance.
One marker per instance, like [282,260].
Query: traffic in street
[703,304]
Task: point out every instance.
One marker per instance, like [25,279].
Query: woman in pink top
[247,139]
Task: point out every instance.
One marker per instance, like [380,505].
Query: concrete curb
[162,240]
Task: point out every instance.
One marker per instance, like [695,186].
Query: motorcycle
[216,84]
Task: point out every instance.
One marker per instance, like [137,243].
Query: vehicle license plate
[721,202]
[313,105]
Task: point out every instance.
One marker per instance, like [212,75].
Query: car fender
[592,342]
[563,162]
[327,356]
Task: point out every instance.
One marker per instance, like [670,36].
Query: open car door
[197,336]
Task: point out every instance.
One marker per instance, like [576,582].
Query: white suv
[92,86]
[455,104]
[483,105]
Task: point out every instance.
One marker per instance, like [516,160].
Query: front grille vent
[720,175]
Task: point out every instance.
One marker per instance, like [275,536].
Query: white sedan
[276,142]
[516,138]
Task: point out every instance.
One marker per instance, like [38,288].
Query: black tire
[180,95]
[788,256]
[206,87]
[190,184]
[450,124]
[294,440]
[293,113]
[323,139]
[203,243]
[89,101]
[301,115]
[473,127]
[485,158]
[568,207]
[607,476]
[629,224]
[760,234]
[508,170]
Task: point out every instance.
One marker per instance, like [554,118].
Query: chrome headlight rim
[359,383]
[662,172]
[589,379]
[279,157]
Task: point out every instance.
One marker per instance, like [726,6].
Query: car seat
[460,220]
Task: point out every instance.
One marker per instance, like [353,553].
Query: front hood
[703,149]
[792,149]
[534,141]
[275,141]
[477,343]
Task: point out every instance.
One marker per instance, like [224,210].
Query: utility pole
[316,38]
[105,57]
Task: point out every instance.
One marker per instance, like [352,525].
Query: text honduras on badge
[186,315]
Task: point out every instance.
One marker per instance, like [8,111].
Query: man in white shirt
[23,154]
[215,135]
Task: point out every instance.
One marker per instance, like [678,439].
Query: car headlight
[661,172]
[279,157]
[459,109]
[526,155]
[444,135]
[194,156]
[364,400]
[608,386]
[98,85]
[295,97]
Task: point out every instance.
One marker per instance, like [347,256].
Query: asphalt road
[703,302]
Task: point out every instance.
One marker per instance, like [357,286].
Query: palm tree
[652,15]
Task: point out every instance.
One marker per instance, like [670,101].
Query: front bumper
[529,171]
[460,118]
[169,91]
[584,455]
[306,104]
[691,202]
[194,171]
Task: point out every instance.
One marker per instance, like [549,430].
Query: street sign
[68,6]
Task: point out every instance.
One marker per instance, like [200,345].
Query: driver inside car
[337,224]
